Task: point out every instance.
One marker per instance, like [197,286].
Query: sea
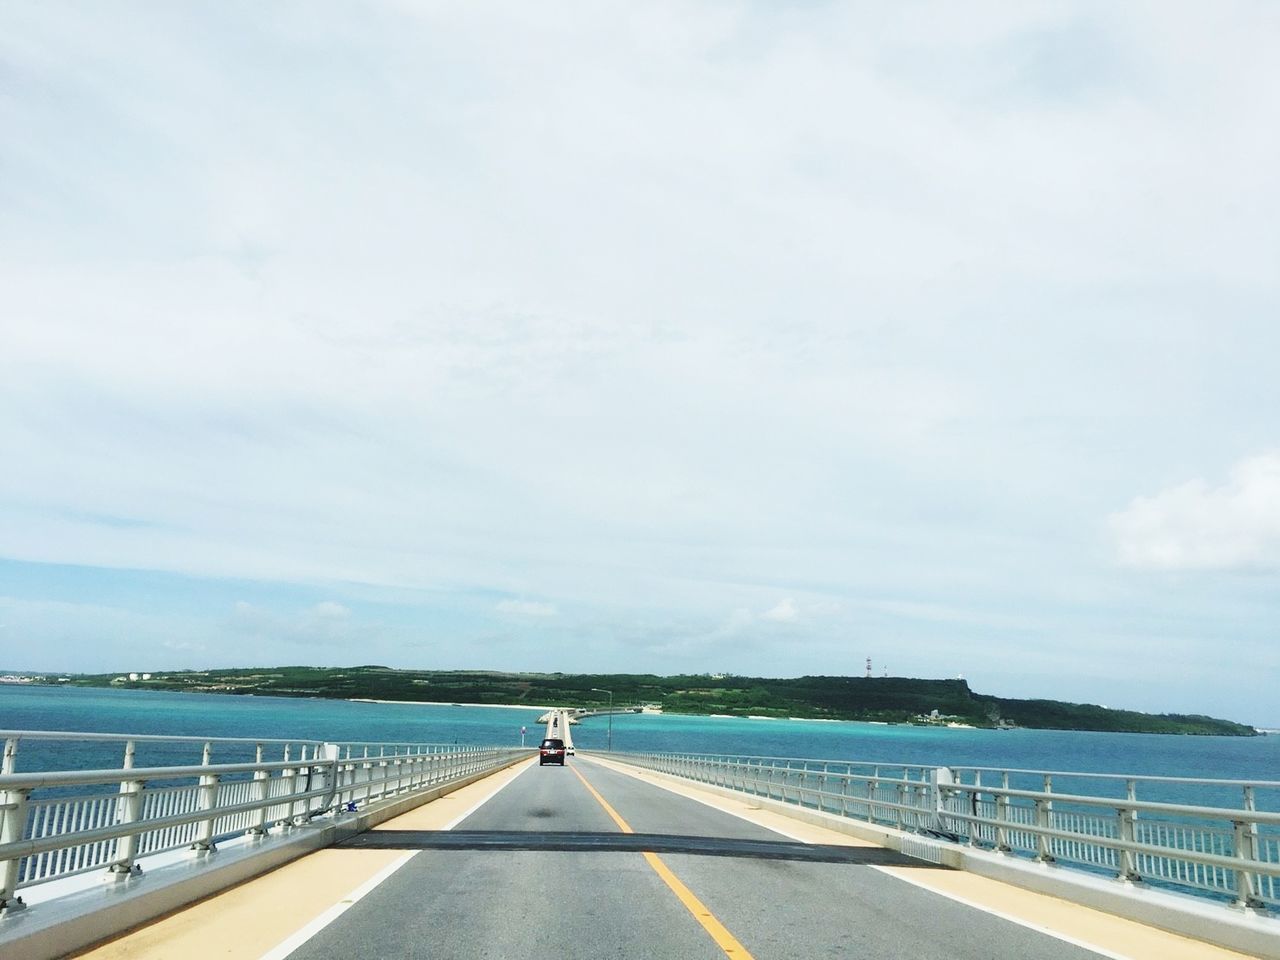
[79,709]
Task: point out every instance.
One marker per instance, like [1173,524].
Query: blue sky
[690,337]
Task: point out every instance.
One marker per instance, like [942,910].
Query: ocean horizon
[105,710]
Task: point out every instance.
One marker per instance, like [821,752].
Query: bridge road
[560,728]
[542,869]
[497,888]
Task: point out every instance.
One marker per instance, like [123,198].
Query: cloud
[94,637]
[743,622]
[739,619]
[527,608]
[330,610]
[1193,526]
[396,297]
[326,623]
[784,612]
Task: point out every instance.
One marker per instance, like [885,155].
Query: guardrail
[1229,852]
[57,824]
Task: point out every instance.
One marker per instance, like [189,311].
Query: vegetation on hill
[887,699]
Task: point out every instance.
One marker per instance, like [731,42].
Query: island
[875,699]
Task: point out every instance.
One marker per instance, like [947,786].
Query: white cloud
[834,302]
[326,623]
[527,608]
[1193,526]
[784,612]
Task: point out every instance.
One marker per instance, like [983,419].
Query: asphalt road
[544,871]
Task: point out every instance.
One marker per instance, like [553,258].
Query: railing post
[381,767]
[940,781]
[288,779]
[975,800]
[128,810]
[365,774]
[207,801]
[1245,834]
[1044,821]
[1002,815]
[330,772]
[13,821]
[261,792]
[1127,827]
[347,772]
[309,765]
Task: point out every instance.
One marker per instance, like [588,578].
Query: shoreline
[1245,730]
[445,703]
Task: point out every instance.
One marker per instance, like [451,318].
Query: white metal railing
[1224,844]
[59,823]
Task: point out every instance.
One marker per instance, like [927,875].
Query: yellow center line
[723,938]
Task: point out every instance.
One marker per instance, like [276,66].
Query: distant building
[133,676]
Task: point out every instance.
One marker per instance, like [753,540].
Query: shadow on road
[627,843]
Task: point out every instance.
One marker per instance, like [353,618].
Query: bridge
[274,849]
[560,726]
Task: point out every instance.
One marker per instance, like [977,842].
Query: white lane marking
[1047,931]
[746,815]
[292,943]
[298,938]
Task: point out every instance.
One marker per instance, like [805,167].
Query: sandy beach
[444,703]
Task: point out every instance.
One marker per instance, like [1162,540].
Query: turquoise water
[192,714]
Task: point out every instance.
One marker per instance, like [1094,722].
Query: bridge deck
[546,862]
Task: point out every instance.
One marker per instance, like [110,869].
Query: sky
[718,336]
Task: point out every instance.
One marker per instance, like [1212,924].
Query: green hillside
[887,699]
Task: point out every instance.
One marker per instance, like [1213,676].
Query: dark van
[551,751]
